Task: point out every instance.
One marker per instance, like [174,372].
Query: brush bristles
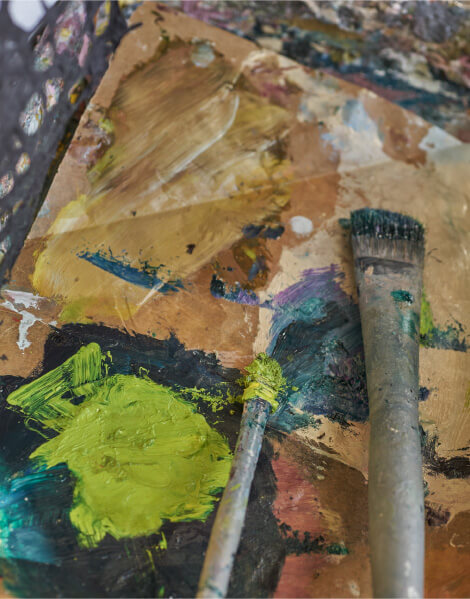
[382,224]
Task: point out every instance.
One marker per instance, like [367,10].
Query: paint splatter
[128,442]
[316,338]
[301,225]
[145,276]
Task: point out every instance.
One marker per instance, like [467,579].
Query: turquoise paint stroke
[146,276]
[402,296]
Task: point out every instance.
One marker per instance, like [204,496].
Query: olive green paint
[140,453]
[263,380]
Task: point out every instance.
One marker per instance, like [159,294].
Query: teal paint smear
[298,543]
[316,338]
[146,276]
[409,323]
[453,337]
[402,296]
[22,535]
[408,318]
[430,335]
[337,549]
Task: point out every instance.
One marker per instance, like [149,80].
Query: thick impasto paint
[316,337]
[128,442]
[138,427]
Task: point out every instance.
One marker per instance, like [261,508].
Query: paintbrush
[262,383]
[388,253]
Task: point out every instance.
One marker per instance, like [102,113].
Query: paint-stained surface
[144,444]
[194,223]
[414,53]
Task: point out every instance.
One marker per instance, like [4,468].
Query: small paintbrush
[388,253]
[262,383]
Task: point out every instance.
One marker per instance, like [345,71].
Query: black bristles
[382,224]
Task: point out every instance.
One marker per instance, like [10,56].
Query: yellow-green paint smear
[140,453]
[427,320]
[263,380]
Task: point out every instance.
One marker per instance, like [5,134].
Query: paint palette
[198,218]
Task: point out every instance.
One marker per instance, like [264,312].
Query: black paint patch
[423,393]
[134,567]
[435,516]
[455,467]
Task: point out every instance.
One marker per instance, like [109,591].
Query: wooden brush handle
[389,301]
[226,532]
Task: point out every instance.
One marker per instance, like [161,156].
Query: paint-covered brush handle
[388,268]
[228,525]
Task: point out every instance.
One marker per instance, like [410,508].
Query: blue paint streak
[236,293]
[146,276]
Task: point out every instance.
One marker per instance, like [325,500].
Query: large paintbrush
[388,252]
[262,383]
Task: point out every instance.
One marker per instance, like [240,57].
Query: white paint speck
[412,593]
[301,225]
[354,588]
[202,55]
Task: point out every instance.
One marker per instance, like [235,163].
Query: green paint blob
[140,453]
[263,380]
[402,296]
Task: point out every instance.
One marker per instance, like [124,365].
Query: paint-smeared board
[195,221]
[413,53]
